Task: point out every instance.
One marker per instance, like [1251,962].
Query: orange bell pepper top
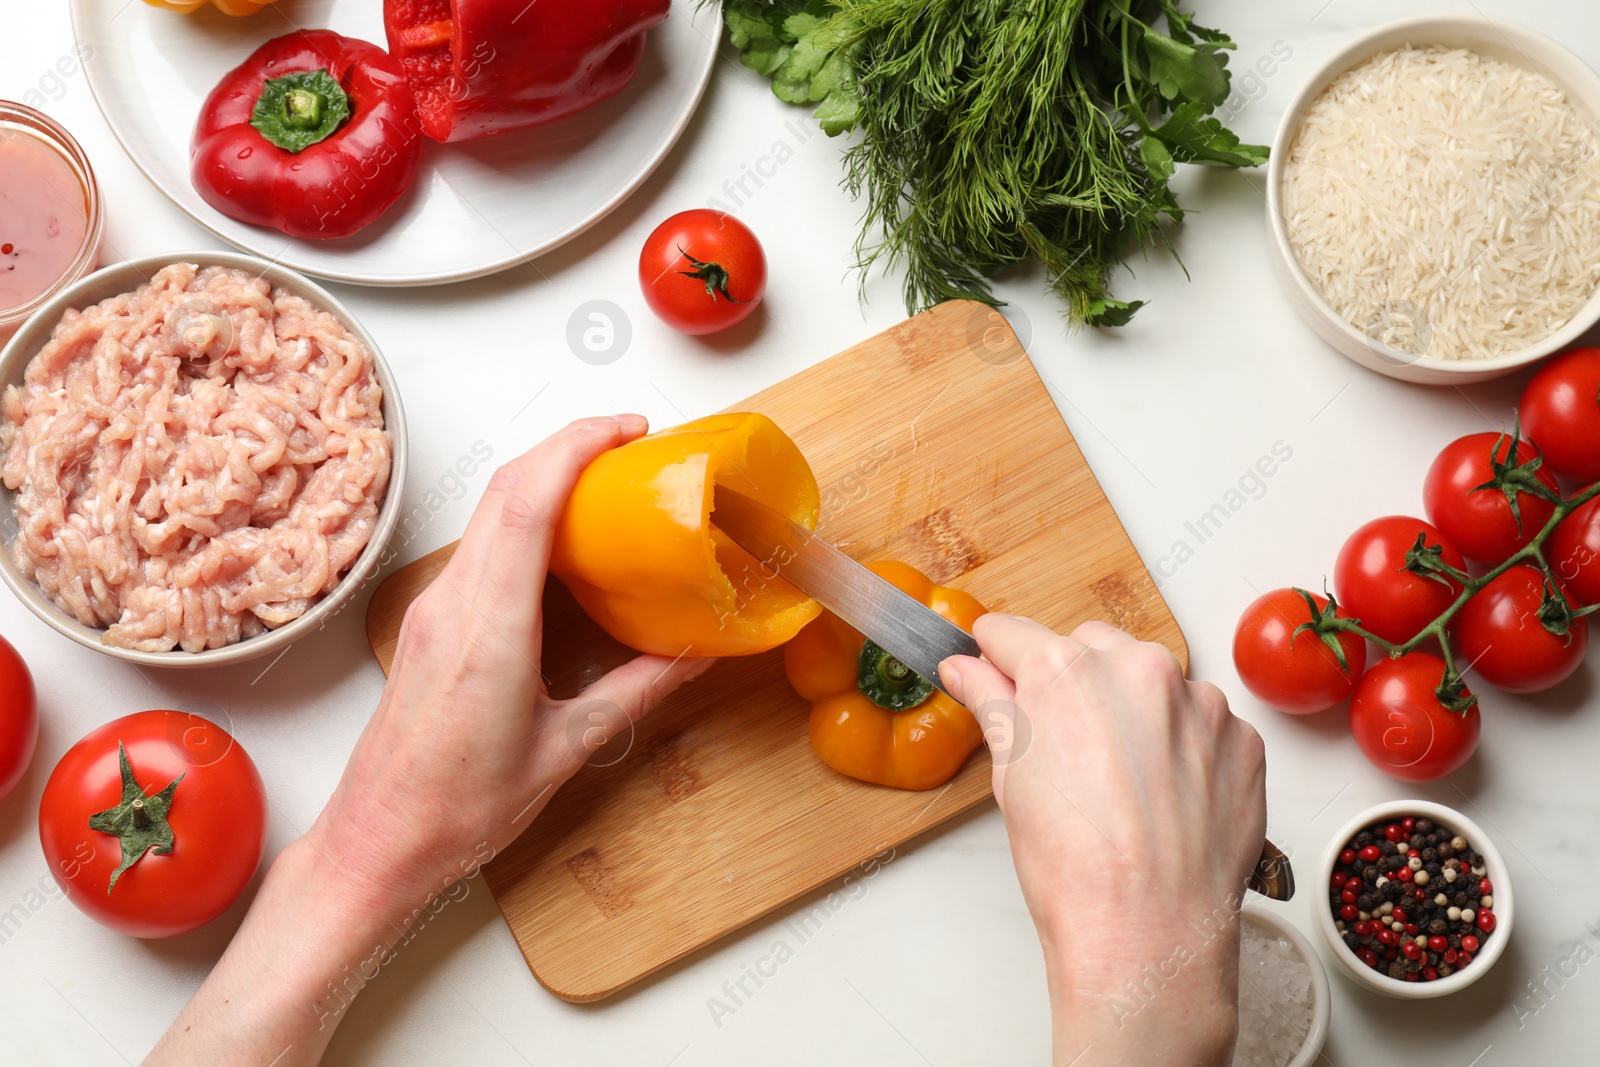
[227,7]
[637,547]
[871,717]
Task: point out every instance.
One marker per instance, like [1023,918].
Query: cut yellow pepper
[637,547]
[873,718]
[227,7]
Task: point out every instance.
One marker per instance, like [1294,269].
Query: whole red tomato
[1501,636]
[1560,409]
[1480,521]
[702,271]
[184,805]
[1399,724]
[1573,551]
[1372,583]
[1295,674]
[19,718]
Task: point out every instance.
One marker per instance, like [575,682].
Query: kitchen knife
[909,631]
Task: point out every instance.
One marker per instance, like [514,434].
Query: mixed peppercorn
[1412,899]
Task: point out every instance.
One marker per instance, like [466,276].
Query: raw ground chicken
[194,462]
[1445,203]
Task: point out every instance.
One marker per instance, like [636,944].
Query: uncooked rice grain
[1445,203]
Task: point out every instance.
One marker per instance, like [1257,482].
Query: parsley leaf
[794,43]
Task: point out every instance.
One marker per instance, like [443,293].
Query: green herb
[994,131]
[787,41]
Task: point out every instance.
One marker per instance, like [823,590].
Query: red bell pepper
[315,135]
[481,67]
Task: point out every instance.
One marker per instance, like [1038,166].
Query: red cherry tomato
[217,817]
[1560,409]
[1399,724]
[1298,675]
[702,271]
[1502,638]
[1372,583]
[19,718]
[1479,521]
[1573,551]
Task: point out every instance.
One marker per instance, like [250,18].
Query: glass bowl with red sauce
[51,222]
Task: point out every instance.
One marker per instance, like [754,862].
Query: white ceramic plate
[474,208]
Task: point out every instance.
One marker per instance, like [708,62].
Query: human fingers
[974,682]
[628,693]
[467,564]
[1102,635]
[1011,642]
[519,540]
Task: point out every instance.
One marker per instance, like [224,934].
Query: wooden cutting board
[934,442]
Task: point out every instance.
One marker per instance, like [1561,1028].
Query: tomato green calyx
[140,821]
[1326,624]
[1452,692]
[713,274]
[1555,614]
[296,111]
[889,683]
[1427,561]
[1513,478]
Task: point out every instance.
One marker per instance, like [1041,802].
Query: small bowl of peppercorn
[1417,900]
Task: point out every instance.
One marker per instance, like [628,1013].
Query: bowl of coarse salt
[1284,1000]
[1433,198]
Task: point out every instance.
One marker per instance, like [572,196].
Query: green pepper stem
[298,110]
[887,682]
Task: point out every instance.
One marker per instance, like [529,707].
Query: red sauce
[44,215]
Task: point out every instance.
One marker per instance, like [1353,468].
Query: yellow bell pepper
[227,7]
[637,547]
[872,717]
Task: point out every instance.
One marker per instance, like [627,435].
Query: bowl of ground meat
[202,458]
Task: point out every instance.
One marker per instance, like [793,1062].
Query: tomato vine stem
[1450,687]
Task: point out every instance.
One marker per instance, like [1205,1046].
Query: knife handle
[1272,877]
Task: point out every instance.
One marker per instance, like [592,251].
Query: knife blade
[911,632]
[908,630]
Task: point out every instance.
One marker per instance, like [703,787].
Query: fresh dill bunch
[998,130]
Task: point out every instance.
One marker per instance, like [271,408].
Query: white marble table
[1170,413]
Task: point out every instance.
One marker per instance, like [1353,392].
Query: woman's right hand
[1135,814]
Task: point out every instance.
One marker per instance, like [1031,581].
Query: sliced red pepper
[314,134]
[481,67]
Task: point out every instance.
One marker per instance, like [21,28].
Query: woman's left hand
[467,745]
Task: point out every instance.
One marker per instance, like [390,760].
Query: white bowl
[1347,963]
[1496,39]
[1321,997]
[124,277]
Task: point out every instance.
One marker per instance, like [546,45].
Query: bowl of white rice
[1434,198]
[202,459]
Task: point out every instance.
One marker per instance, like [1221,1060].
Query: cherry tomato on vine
[1372,583]
[1560,409]
[154,823]
[1502,637]
[702,271]
[1573,552]
[1400,725]
[1300,674]
[1480,522]
[19,718]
